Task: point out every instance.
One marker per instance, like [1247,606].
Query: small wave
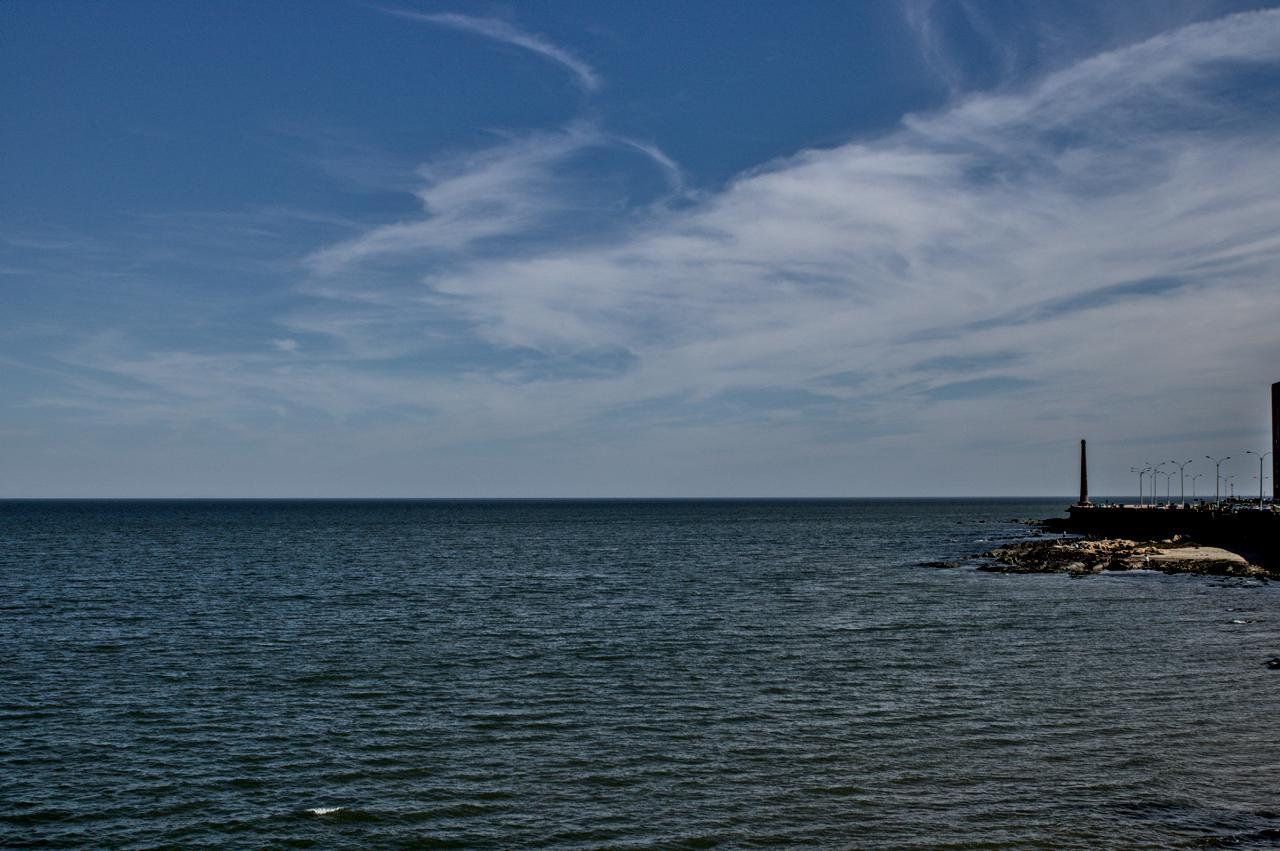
[342,814]
[36,816]
[609,780]
[324,811]
[1266,837]
[464,809]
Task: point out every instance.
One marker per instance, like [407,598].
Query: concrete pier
[1252,533]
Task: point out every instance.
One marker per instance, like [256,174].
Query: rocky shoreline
[1084,556]
[1081,556]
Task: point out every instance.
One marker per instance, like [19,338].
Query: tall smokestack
[1275,441]
[1084,473]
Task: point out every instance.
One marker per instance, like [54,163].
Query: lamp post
[1155,483]
[1182,483]
[1193,484]
[1217,465]
[1140,475]
[1260,457]
[1231,488]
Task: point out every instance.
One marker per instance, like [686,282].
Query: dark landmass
[1084,556]
[1246,528]
[1233,539]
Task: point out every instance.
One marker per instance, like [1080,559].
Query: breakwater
[1253,533]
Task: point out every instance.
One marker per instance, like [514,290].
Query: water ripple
[627,675]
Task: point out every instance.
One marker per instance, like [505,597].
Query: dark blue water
[614,674]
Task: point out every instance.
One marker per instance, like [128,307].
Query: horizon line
[516,498]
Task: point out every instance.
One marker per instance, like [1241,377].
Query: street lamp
[1231,488]
[1140,475]
[1193,484]
[1182,484]
[1260,457]
[1155,483]
[1217,465]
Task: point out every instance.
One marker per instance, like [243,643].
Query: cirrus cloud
[1080,255]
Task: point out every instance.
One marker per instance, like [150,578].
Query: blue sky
[623,249]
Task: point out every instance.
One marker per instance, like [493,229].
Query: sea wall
[1252,533]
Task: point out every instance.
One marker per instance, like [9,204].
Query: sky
[613,249]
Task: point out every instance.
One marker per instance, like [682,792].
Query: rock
[940,564]
[1082,556]
[1273,663]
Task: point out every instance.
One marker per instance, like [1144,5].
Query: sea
[631,674]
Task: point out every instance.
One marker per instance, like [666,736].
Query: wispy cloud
[502,31]
[1083,254]
[508,189]
[988,209]
[468,198]
[674,174]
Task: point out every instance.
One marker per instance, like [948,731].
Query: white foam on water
[324,811]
